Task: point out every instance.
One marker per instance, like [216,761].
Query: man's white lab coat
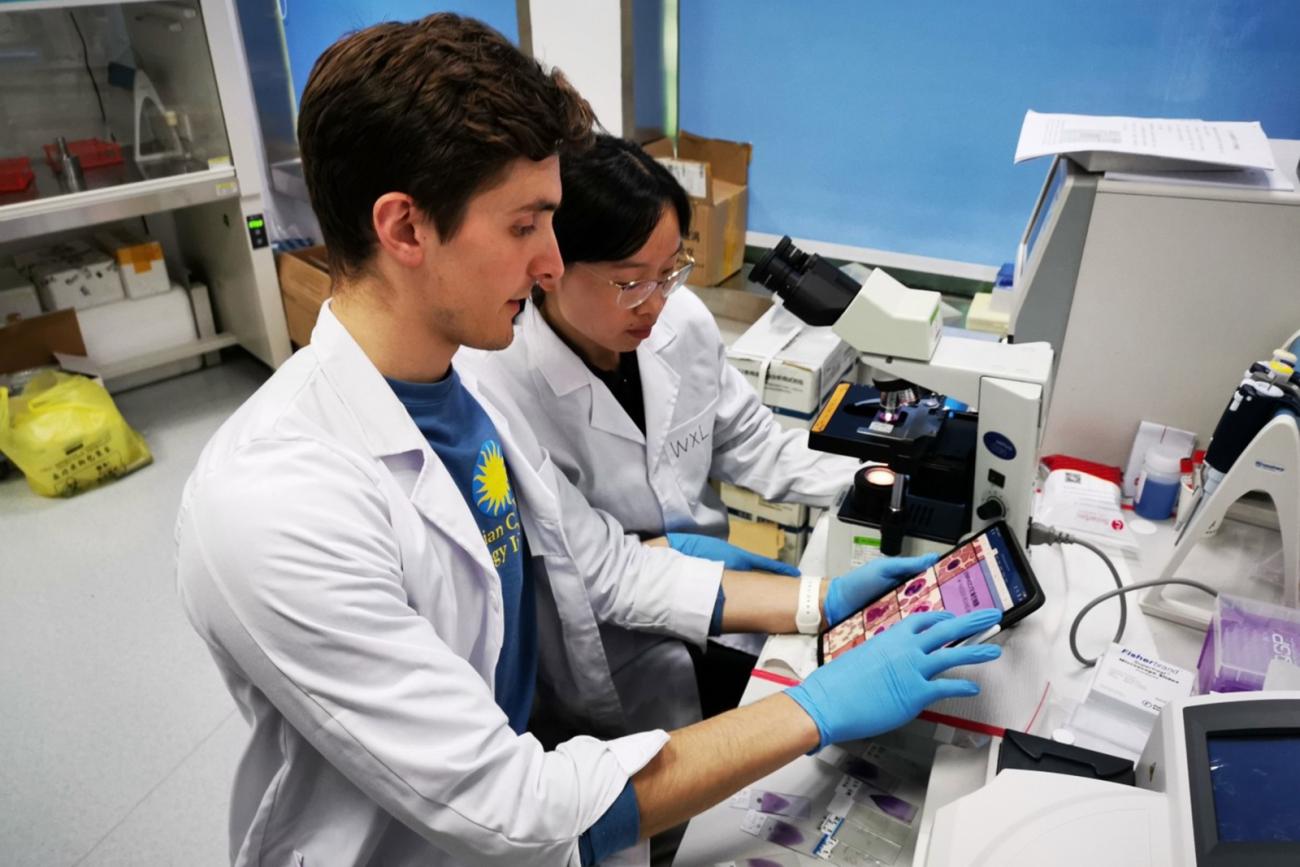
[341,582]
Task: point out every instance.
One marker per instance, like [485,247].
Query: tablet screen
[982,573]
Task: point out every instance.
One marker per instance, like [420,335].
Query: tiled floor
[117,738]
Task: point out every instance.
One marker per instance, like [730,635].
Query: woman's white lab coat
[703,420]
[333,567]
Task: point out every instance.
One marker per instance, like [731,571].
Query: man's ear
[401,230]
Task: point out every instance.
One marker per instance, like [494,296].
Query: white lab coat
[341,582]
[703,420]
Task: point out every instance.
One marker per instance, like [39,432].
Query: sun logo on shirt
[491,483]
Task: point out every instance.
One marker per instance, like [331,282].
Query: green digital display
[256,223]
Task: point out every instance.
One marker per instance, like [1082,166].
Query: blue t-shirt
[464,438]
[466,441]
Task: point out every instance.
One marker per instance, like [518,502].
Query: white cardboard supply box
[140,263]
[137,326]
[78,279]
[791,365]
[18,299]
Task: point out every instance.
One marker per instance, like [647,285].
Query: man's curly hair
[437,109]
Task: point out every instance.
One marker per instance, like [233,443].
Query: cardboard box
[734,310]
[304,286]
[790,542]
[757,537]
[140,262]
[803,363]
[29,343]
[744,500]
[796,542]
[18,299]
[715,174]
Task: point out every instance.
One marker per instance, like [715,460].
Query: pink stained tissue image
[929,600]
[881,625]
[845,636]
[879,611]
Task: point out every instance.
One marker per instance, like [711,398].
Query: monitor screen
[1059,171]
[1253,782]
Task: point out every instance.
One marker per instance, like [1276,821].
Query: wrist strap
[808,616]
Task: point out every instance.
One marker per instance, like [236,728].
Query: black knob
[991,509]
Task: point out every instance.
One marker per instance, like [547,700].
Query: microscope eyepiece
[781,268]
[813,289]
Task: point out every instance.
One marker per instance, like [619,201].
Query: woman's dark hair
[614,194]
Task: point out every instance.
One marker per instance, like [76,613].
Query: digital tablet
[988,570]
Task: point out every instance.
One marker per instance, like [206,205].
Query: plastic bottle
[1157,487]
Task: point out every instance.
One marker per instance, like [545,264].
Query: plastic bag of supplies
[66,435]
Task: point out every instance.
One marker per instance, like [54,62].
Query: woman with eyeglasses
[625,377]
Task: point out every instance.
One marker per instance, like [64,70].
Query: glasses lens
[634,293]
[678,279]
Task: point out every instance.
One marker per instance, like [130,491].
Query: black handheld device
[986,570]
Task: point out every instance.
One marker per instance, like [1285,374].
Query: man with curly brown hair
[401,592]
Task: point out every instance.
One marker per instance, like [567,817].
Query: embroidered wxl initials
[690,440]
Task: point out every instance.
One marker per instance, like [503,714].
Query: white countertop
[1034,686]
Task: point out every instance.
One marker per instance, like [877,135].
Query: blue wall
[892,124]
[313,25]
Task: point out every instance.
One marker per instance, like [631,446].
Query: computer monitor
[1049,254]
[1243,765]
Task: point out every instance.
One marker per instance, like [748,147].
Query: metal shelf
[38,5]
[158,358]
[40,216]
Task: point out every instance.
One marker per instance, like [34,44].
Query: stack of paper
[1216,153]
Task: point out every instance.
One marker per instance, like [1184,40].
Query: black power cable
[85,58]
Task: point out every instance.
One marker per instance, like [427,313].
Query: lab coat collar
[565,373]
[385,425]
[388,430]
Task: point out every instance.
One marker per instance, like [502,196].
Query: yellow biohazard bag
[66,435]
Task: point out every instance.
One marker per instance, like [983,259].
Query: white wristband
[808,616]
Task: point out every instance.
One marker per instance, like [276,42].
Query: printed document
[1215,143]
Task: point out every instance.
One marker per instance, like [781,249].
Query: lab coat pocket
[688,447]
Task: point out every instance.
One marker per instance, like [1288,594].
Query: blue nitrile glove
[868,582]
[878,686]
[709,548]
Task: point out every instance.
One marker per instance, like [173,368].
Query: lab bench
[1026,689]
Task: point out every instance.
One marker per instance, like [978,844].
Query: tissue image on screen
[979,574]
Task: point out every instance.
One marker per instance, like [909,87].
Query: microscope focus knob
[991,509]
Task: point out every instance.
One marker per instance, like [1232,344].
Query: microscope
[938,471]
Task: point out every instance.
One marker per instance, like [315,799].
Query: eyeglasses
[633,294]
